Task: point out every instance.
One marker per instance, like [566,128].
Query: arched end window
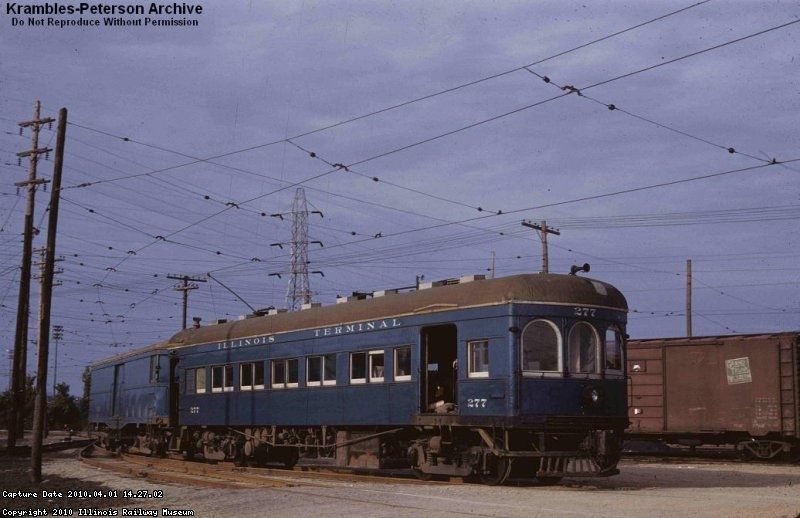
[541,347]
[584,349]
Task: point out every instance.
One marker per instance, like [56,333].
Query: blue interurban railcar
[469,377]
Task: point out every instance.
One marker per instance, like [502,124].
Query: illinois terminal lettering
[245,342]
[357,328]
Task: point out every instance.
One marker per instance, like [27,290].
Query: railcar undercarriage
[483,454]
[491,455]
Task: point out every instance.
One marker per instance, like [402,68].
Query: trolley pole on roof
[543,230]
[185,287]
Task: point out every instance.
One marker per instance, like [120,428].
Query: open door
[439,375]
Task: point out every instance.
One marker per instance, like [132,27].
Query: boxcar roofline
[707,339]
[535,289]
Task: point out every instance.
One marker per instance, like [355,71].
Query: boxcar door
[438,373]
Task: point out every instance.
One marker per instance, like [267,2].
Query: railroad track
[227,475]
[709,455]
[186,473]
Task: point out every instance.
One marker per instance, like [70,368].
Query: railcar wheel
[414,454]
[497,470]
[792,456]
[421,474]
[291,458]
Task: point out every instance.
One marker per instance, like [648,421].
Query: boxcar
[467,377]
[741,390]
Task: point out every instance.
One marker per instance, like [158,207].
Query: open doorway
[439,375]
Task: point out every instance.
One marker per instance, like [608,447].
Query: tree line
[64,411]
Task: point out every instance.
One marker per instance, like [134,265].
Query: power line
[690,55]
[569,91]
[615,108]
[389,108]
[601,196]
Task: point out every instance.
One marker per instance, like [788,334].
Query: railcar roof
[533,288]
[709,339]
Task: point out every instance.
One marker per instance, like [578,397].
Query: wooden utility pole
[40,406]
[58,335]
[543,230]
[688,297]
[185,287]
[19,373]
[42,264]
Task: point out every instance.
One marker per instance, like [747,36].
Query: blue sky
[180,138]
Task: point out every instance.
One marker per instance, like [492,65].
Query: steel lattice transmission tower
[299,291]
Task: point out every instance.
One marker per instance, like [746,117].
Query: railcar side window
[358,368]
[246,376]
[613,351]
[285,373]
[314,371]
[227,384]
[217,375]
[292,372]
[367,367]
[478,354]
[258,375]
[376,366]
[402,364]
[251,376]
[222,378]
[329,369]
[583,349]
[200,380]
[321,370]
[278,373]
[541,347]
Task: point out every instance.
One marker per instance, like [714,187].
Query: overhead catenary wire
[484,121]
[401,104]
[616,108]
[470,126]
